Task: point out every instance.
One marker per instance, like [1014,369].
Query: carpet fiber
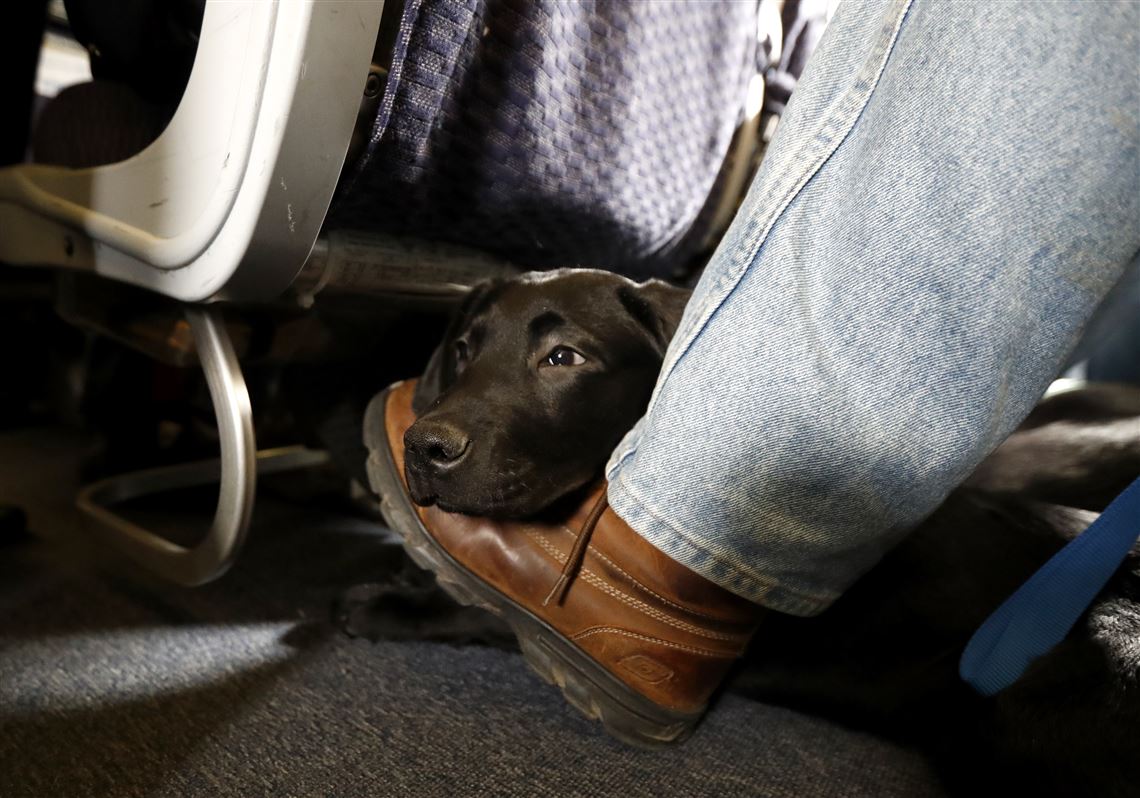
[111,685]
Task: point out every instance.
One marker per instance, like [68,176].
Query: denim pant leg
[953,189]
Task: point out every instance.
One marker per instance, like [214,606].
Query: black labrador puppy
[536,382]
[539,377]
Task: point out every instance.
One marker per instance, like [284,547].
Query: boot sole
[594,691]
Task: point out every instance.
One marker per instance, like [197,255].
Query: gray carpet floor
[112,685]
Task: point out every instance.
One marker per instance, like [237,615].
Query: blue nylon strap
[1043,610]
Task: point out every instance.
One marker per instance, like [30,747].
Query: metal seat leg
[236,471]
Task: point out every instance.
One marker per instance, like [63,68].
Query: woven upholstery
[556,133]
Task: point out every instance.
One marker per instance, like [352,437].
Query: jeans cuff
[666,536]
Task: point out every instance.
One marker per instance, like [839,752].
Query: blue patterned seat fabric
[556,133]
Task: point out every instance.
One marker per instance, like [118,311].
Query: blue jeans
[953,189]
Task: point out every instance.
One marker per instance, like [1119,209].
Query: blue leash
[1043,610]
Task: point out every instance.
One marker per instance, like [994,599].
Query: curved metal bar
[236,472]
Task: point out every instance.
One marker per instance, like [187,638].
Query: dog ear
[440,370]
[657,306]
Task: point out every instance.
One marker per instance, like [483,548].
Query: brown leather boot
[631,636]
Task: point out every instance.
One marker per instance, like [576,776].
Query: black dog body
[513,435]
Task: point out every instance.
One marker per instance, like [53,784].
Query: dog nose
[436,444]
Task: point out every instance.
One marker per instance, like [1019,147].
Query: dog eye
[461,351]
[563,356]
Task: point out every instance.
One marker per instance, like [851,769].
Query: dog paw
[406,609]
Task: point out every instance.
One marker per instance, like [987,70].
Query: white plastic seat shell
[228,201]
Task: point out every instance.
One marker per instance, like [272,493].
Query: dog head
[536,381]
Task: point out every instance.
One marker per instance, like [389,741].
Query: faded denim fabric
[954,188]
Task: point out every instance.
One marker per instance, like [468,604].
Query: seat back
[241,177]
[544,133]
